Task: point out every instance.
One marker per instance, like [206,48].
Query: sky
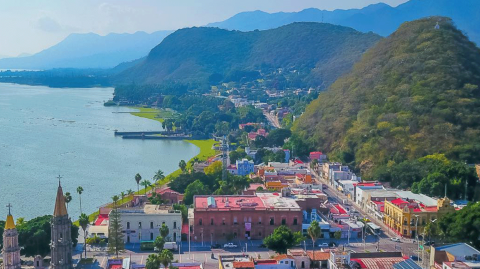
[29,26]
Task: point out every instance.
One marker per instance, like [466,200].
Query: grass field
[152,113]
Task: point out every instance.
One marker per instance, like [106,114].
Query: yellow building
[402,215]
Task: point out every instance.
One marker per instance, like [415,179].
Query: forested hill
[320,53]
[413,94]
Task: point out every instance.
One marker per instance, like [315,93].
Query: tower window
[139,225]
[151,224]
[128,225]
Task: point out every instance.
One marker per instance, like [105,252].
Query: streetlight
[416,235]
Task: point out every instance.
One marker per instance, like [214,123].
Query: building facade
[11,249]
[61,238]
[224,218]
[244,167]
[405,216]
[142,224]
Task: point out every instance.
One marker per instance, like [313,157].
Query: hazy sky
[29,26]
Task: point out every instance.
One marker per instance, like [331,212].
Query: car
[230,245]
[429,243]
[323,245]
[415,258]
[215,246]
[395,239]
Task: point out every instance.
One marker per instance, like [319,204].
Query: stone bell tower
[61,244]
[11,250]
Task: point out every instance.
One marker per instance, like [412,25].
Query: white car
[230,245]
[323,245]
[395,239]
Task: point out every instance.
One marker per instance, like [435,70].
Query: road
[272,119]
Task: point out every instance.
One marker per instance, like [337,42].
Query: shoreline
[205,147]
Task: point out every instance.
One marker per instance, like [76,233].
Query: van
[170,245]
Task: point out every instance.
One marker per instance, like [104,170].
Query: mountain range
[414,94]
[378,18]
[318,53]
[89,51]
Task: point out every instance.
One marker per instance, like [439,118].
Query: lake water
[47,132]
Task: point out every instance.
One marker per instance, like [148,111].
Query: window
[128,225]
[174,237]
[291,263]
[211,221]
[223,221]
[303,264]
[151,224]
[151,236]
[200,222]
[174,225]
[250,219]
[284,221]
[272,221]
[295,221]
[259,220]
[234,235]
[259,233]
[234,220]
[163,222]
[139,225]
[244,219]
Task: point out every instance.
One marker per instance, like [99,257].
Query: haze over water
[47,132]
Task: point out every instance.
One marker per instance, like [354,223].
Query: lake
[46,132]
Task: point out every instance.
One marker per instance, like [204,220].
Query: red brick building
[219,218]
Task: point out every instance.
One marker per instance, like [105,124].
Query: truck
[170,245]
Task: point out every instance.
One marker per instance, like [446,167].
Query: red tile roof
[243,265]
[399,201]
[234,202]
[283,257]
[378,263]
[318,255]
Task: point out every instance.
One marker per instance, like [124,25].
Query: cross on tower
[59,178]
[9,207]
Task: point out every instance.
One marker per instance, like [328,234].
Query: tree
[153,262]
[138,179]
[314,232]
[166,257]
[115,234]
[195,188]
[277,137]
[337,235]
[214,168]
[130,192]
[34,236]
[122,194]
[314,163]
[159,175]
[282,239]
[183,165]
[145,183]
[159,243]
[68,198]
[84,221]
[164,230]
[80,191]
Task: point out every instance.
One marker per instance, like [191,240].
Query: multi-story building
[245,167]
[222,218]
[143,223]
[458,255]
[404,215]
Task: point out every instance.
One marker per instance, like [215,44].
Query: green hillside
[206,55]
[413,94]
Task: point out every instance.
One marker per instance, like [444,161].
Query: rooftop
[378,263]
[274,200]
[427,201]
[318,255]
[229,202]
[149,209]
[459,250]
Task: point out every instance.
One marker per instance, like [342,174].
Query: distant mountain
[320,53]
[414,94]
[89,51]
[378,18]
[3,56]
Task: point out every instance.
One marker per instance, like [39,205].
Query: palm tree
[80,191]
[314,232]
[183,165]
[84,221]
[130,192]
[159,175]
[68,198]
[165,257]
[122,194]
[145,183]
[138,178]
[153,262]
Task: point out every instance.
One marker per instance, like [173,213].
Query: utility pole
[224,157]
[416,235]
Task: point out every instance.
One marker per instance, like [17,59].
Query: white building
[143,224]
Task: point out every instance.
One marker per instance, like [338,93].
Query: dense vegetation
[34,235]
[315,53]
[414,94]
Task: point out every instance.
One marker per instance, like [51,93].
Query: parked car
[215,246]
[324,245]
[230,245]
[415,258]
[395,239]
[170,245]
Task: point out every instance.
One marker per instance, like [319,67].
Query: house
[460,255]
[318,155]
[245,167]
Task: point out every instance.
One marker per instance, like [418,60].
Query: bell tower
[11,250]
[61,244]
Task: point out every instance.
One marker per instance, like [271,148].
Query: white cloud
[48,24]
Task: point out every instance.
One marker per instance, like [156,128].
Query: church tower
[61,245]
[11,250]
